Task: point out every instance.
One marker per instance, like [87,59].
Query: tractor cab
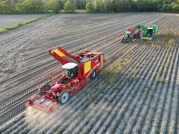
[71,70]
[127,35]
[150,31]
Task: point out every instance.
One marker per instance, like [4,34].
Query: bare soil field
[136,93]
[9,20]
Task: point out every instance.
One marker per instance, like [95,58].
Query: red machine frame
[87,64]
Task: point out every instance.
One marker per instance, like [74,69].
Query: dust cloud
[37,117]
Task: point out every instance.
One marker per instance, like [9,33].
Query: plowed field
[136,93]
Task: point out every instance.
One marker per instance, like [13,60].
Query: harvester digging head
[42,103]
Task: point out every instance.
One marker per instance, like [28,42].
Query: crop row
[140,101]
[14,98]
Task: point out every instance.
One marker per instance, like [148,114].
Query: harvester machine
[77,69]
[149,32]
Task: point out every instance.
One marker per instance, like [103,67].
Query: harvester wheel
[128,40]
[93,74]
[44,88]
[64,96]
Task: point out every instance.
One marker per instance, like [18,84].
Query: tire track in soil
[113,94]
[45,51]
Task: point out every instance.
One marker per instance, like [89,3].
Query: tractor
[77,69]
[130,34]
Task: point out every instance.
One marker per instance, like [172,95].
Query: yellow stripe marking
[87,67]
[59,52]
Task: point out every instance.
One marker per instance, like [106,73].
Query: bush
[22,23]
[89,7]
[165,40]
[52,5]
[172,42]
[6,28]
[69,7]
[175,8]
[110,76]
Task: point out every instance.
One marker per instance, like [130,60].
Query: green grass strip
[22,23]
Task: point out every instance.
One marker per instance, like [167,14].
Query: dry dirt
[9,20]
[143,99]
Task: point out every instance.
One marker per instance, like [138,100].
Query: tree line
[40,6]
[116,6]
[93,6]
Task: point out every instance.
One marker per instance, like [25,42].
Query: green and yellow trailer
[149,32]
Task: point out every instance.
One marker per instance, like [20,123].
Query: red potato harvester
[77,69]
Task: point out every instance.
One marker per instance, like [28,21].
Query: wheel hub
[64,97]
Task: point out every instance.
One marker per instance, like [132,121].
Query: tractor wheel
[122,40]
[128,40]
[64,96]
[44,88]
[93,74]
[138,35]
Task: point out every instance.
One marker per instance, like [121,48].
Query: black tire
[128,40]
[138,35]
[44,88]
[64,97]
[93,74]
[122,40]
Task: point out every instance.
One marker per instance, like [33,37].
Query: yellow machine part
[87,67]
[102,61]
[59,52]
